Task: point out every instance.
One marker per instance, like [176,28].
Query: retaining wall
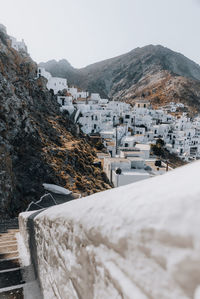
[137,241]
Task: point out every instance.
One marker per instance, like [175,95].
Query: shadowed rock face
[154,72]
[37,143]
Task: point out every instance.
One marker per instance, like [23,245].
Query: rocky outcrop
[37,143]
[153,72]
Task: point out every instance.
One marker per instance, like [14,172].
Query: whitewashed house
[18,45]
[66,103]
[54,83]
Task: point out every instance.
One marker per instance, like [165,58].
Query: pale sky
[87,31]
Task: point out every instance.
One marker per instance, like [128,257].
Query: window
[126,145]
[127,116]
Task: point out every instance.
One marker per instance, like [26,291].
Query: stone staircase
[11,281]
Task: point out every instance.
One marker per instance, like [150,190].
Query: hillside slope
[154,72]
[37,144]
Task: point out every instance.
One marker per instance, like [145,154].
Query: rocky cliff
[153,72]
[37,143]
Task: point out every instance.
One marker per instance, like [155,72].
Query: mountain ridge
[120,77]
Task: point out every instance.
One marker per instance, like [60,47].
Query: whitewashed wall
[138,241]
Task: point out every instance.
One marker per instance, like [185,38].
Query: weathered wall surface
[137,241]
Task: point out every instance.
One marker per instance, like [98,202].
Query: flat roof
[128,149]
[132,152]
[106,132]
[142,146]
[117,160]
[138,172]
[135,159]
[129,138]
[142,101]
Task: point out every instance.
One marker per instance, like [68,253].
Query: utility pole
[116,140]
[86,97]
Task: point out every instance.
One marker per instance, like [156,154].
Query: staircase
[11,281]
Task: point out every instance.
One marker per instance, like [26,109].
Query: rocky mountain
[37,143]
[152,72]
[62,69]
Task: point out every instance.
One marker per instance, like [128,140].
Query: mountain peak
[138,72]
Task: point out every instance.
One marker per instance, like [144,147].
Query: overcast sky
[87,31]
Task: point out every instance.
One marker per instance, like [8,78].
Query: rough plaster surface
[137,241]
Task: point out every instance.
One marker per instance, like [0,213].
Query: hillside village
[129,132]
[93,240]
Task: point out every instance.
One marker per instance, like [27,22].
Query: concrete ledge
[137,241]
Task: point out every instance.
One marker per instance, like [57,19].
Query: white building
[18,45]
[54,83]
[66,103]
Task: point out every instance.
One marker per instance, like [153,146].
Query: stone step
[15,292]
[8,242]
[7,235]
[7,238]
[8,248]
[9,264]
[14,230]
[4,231]
[10,278]
[8,255]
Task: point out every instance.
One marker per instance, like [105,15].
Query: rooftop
[136,172]
[143,147]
